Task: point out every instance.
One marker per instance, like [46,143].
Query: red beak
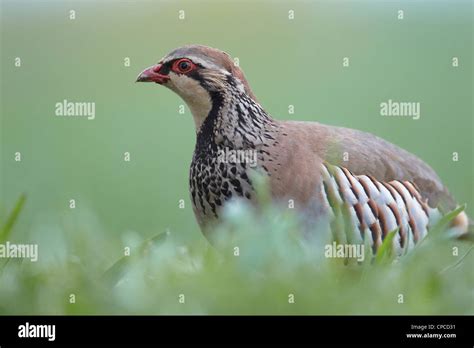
[152,74]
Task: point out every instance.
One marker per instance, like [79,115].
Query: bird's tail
[463,226]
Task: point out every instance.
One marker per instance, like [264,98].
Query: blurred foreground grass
[77,260]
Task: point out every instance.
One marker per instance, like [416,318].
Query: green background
[297,62]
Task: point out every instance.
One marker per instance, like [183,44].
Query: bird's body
[322,170]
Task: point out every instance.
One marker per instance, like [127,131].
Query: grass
[84,272]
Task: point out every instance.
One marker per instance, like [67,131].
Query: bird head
[199,75]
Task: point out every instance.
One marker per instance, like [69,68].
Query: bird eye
[183,66]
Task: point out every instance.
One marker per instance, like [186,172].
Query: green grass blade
[115,272]
[12,218]
[443,223]
[385,250]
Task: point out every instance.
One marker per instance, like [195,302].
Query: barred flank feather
[378,207]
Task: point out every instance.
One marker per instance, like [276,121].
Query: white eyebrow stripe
[195,59]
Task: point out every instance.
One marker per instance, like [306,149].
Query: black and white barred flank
[373,208]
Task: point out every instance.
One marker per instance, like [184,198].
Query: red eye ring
[183,66]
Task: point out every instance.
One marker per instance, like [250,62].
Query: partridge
[379,188]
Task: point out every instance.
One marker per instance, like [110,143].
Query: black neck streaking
[235,121]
